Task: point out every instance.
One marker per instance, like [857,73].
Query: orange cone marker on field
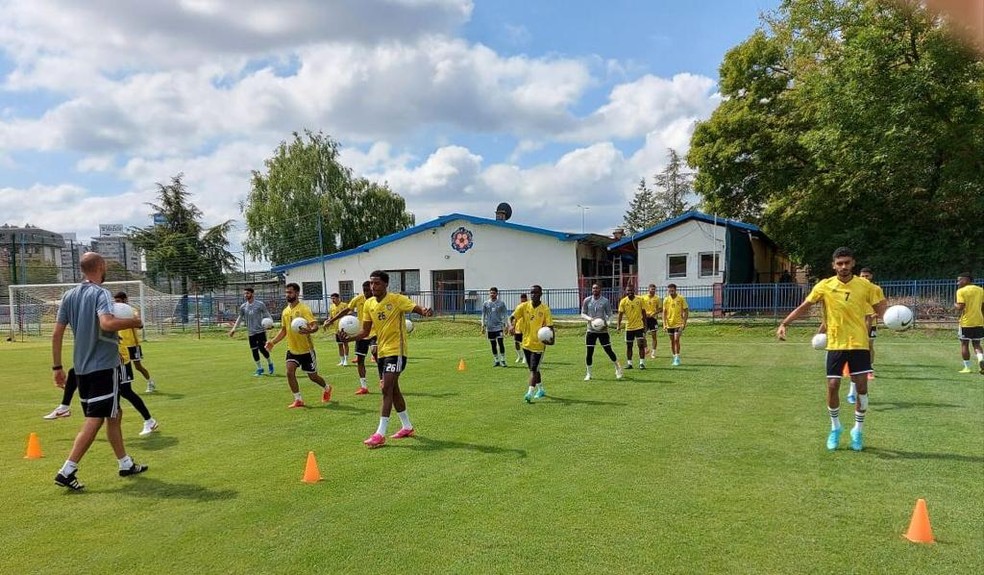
[461,364]
[847,370]
[311,472]
[33,447]
[919,528]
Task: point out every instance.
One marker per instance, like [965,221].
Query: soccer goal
[34,308]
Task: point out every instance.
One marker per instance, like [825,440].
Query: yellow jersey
[673,310]
[297,343]
[333,310]
[971,296]
[532,319]
[652,304]
[519,322]
[880,295]
[632,310]
[845,306]
[388,323]
[124,352]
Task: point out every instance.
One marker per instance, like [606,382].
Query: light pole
[583,209]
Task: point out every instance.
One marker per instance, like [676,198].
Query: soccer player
[872,319]
[970,304]
[300,347]
[88,310]
[533,315]
[132,339]
[337,305]
[385,315]
[631,308]
[362,346]
[847,301]
[253,312]
[493,322]
[653,305]
[597,306]
[518,329]
[126,386]
[676,312]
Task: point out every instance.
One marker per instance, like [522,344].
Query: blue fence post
[775,303]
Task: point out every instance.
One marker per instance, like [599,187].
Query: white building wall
[690,238]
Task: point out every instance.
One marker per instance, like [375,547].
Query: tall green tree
[852,122]
[642,212]
[673,187]
[182,247]
[304,188]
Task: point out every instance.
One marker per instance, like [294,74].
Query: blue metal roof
[435,223]
[691,215]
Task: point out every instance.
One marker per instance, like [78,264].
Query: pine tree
[642,212]
[673,186]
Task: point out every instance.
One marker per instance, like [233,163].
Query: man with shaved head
[96,366]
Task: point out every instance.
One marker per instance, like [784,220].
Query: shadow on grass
[154,442]
[890,405]
[163,394]
[906,378]
[434,395]
[348,409]
[423,443]
[565,401]
[894,454]
[683,367]
[155,488]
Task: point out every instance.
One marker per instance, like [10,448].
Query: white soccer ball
[819,341]
[123,310]
[597,324]
[898,318]
[409,326]
[298,323]
[545,335]
[349,324]
[267,322]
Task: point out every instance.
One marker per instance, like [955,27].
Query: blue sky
[458,105]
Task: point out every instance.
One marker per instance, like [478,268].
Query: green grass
[717,466]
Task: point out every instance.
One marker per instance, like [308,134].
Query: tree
[40,271]
[852,122]
[672,187]
[642,212]
[306,194]
[181,246]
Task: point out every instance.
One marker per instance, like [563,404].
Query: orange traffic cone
[311,473]
[461,364]
[847,370]
[33,447]
[919,529]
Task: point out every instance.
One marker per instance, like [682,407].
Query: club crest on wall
[462,240]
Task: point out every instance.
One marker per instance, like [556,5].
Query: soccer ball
[819,341]
[597,324]
[409,326]
[898,318]
[123,310]
[545,335]
[349,324]
[297,323]
[267,322]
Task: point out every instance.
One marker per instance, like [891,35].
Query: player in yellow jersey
[300,347]
[532,316]
[362,347]
[970,304]
[631,308]
[653,304]
[847,301]
[676,312]
[337,305]
[872,320]
[385,315]
[133,346]
[518,330]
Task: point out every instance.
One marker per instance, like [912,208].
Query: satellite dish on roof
[503,211]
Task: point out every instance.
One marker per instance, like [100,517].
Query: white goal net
[33,309]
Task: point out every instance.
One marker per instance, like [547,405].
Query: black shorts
[533,359]
[494,334]
[652,324]
[392,364]
[597,336]
[362,346]
[873,332]
[308,362]
[633,334]
[673,330]
[970,333]
[257,340]
[136,354]
[99,392]
[858,361]
[126,373]
[518,336]
[338,337]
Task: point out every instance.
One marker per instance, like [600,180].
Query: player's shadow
[892,405]
[895,454]
[348,409]
[692,364]
[422,443]
[566,401]
[155,488]
[154,442]
[164,394]
[906,378]
[433,395]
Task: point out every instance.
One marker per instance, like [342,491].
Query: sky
[457,104]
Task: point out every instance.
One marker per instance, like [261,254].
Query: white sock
[383,424]
[641,363]
[835,423]
[854,389]
[587,369]
[405,419]
[980,357]
[967,363]
[297,396]
[126,462]
[68,468]
[63,407]
[858,420]
[258,366]
[362,383]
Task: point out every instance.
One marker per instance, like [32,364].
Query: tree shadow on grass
[157,489]
[895,454]
[566,401]
[891,405]
[154,442]
[423,443]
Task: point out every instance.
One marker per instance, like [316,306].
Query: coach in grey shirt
[88,309]
[597,306]
[494,316]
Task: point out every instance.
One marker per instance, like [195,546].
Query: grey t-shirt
[494,315]
[600,307]
[80,308]
[254,313]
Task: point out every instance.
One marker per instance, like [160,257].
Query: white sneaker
[652,354]
[59,413]
[341,363]
[587,377]
[618,371]
[149,427]
[151,386]
[519,359]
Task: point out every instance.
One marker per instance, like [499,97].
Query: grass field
[716,466]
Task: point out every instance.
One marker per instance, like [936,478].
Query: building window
[404,281]
[311,290]
[346,290]
[710,264]
[676,266]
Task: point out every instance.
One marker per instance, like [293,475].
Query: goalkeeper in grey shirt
[494,317]
[254,312]
[597,310]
